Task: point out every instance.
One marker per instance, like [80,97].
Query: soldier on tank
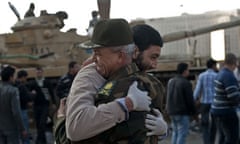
[30,11]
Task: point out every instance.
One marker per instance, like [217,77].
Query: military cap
[108,33]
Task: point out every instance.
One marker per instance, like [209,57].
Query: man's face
[107,61]
[23,79]
[39,74]
[75,69]
[186,73]
[147,59]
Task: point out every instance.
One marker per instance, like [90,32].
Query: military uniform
[133,130]
[83,119]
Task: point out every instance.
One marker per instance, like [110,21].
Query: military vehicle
[38,41]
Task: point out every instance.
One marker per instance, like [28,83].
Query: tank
[39,41]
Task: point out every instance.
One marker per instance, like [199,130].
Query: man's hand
[140,99]
[62,108]
[156,124]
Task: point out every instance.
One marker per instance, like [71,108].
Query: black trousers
[41,114]
[228,128]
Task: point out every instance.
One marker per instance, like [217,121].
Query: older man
[113,53]
[225,102]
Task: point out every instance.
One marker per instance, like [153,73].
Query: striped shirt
[227,95]
[205,86]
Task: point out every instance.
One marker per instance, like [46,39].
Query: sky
[79,11]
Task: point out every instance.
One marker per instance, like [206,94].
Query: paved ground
[193,138]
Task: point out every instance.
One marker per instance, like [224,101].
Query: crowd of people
[111,98]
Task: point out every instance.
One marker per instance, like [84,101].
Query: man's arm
[16,110]
[232,88]
[84,119]
[189,97]
[198,88]
[60,88]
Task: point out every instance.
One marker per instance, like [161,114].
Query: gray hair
[128,49]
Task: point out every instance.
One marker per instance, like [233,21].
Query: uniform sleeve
[84,119]
[15,106]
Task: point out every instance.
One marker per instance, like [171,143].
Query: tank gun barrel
[14,10]
[104,8]
[185,34]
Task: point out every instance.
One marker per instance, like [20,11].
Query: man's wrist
[122,104]
[129,104]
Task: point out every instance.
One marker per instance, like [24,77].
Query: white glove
[140,99]
[156,124]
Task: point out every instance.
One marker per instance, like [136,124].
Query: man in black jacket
[180,103]
[44,98]
[25,99]
[65,82]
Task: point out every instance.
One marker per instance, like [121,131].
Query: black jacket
[180,97]
[44,94]
[24,94]
[64,85]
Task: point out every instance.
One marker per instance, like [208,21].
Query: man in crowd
[30,11]
[43,101]
[205,91]
[25,100]
[65,82]
[226,101]
[180,103]
[110,58]
[11,124]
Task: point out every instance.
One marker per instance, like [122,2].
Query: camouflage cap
[111,32]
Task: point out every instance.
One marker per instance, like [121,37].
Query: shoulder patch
[107,88]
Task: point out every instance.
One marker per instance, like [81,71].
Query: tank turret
[38,41]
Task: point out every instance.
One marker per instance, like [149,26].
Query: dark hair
[211,62]
[7,73]
[22,73]
[39,68]
[181,67]
[230,59]
[71,64]
[145,36]
[94,13]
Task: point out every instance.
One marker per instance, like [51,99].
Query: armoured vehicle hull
[38,41]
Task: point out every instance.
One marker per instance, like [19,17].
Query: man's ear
[135,53]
